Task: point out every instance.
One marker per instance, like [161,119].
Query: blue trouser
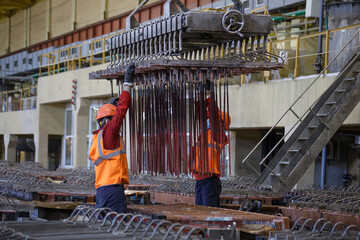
[111,196]
[207,192]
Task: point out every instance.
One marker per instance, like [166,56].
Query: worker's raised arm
[112,128]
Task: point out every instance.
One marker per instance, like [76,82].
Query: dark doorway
[269,143]
[2,148]
[54,151]
[25,148]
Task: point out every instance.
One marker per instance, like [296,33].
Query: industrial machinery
[184,59]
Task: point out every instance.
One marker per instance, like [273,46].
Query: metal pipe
[323,167]
[318,61]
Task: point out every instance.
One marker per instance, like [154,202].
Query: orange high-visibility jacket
[212,163]
[110,165]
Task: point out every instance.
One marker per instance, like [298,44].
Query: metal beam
[7,4]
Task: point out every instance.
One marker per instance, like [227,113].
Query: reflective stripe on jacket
[110,165]
[212,163]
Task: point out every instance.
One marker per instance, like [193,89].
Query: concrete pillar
[41,148]
[48,19]
[10,142]
[51,122]
[104,9]
[8,42]
[2,148]
[294,30]
[81,129]
[73,15]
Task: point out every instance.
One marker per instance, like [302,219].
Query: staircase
[315,130]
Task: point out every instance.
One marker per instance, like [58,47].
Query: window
[30,60]
[68,138]
[63,54]
[92,127]
[7,66]
[260,2]
[98,44]
[73,50]
[15,63]
[24,60]
[0,67]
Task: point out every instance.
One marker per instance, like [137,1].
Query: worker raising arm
[206,168]
[107,151]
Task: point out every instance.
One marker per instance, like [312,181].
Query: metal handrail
[290,108]
[20,102]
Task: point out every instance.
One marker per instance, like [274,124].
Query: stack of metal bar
[30,181]
[183,61]
[309,229]
[102,223]
[237,192]
[333,203]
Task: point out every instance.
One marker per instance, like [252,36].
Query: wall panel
[88,12]
[17,31]
[38,23]
[3,36]
[89,19]
[117,7]
[60,17]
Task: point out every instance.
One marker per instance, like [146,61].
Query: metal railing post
[296,70]
[21,99]
[327,43]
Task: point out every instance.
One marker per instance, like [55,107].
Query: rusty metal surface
[193,39]
[209,216]
[295,213]
[236,65]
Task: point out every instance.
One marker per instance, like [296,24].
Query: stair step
[321,114]
[330,103]
[312,127]
[284,163]
[349,79]
[356,71]
[340,91]
[303,139]
[293,150]
[277,174]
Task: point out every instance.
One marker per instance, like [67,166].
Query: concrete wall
[88,12]
[17,26]
[53,18]
[4,36]
[58,88]
[37,23]
[19,122]
[60,13]
[262,104]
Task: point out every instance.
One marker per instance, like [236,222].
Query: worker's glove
[130,75]
[114,101]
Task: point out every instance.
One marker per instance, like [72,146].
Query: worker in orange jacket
[207,175]
[107,150]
